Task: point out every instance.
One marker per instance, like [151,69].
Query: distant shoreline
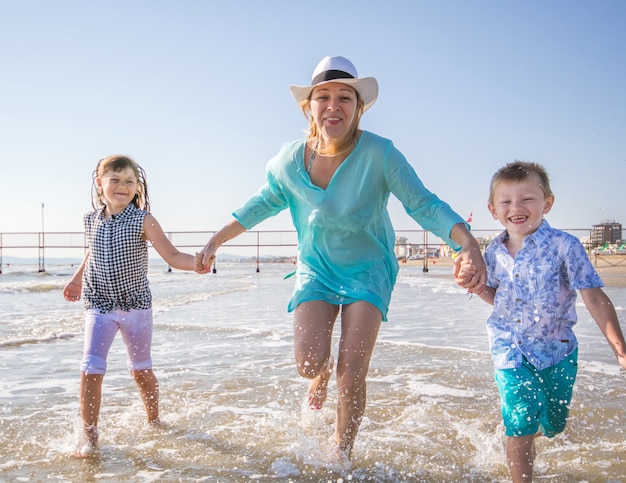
[611,268]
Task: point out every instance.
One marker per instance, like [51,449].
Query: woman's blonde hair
[344,144]
[116,163]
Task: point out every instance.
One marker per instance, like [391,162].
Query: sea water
[232,399]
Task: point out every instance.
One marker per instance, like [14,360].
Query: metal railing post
[42,249]
[257,252]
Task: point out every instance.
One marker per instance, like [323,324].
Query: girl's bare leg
[360,322]
[149,389]
[90,400]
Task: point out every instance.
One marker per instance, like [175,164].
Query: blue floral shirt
[534,309]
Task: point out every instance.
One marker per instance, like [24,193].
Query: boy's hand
[464,273]
[465,270]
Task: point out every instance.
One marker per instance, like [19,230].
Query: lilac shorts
[100,331]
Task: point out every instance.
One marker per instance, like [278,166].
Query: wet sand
[612,269]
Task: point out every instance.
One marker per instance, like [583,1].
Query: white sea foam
[231,395]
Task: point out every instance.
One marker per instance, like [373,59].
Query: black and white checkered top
[115,276]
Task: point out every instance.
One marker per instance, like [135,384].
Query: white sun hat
[338,69]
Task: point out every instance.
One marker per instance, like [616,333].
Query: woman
[337,183]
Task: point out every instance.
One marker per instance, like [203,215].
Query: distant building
[606,233]
[402,247]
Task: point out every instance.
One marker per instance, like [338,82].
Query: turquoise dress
[345,237]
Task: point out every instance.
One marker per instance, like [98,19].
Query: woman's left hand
[470,271]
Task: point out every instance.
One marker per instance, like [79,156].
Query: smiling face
[118,189]
[333,108]
[520,205]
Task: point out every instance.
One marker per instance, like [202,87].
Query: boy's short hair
[519,171]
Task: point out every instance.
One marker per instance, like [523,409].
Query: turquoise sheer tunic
[345,237]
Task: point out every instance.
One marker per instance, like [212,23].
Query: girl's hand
[72,291]
[206,257]
[203,261]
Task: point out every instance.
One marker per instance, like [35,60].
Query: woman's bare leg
[360,322]
[313,329]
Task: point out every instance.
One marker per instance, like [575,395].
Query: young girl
[114,283]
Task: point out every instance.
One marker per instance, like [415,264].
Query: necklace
[314,153]
[308,169]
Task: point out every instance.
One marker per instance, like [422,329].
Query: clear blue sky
[197,92]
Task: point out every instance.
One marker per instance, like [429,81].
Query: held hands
[206,257]
[464,271]
[204,260]
[470,271]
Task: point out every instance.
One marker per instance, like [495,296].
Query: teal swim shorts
[533,400]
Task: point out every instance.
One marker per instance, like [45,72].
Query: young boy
[533,272]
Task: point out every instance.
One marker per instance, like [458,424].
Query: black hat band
[330,75]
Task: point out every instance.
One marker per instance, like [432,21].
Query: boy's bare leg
[520,453]
[149,389]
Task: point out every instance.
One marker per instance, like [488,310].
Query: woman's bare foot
[339,459]
[318,389]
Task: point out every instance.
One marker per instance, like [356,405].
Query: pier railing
[254,245]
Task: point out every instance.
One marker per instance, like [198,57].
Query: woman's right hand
[204,259]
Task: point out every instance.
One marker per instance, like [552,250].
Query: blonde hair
[116,163]
[519,171]
[344,144]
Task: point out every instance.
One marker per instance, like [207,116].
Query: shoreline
[611,268]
